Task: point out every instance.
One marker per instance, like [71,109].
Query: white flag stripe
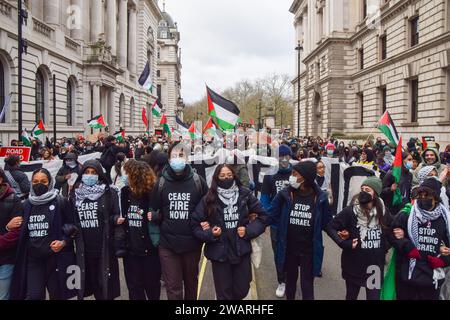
[225,115]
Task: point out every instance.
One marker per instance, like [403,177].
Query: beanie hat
[284,150]
[387,148]
[374,183]
[330,146]
[432,185]
[307,169]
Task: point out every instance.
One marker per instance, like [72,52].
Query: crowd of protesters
[143,202]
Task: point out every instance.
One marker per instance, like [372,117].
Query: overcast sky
[225,41]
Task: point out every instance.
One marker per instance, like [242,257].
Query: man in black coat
[17,179]
[109,154]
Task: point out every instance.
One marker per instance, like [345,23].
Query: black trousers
[406,291]
[292,264]
[353,292]
[94,276]
[281,275]
[41,275]
[142,275]
[232,281]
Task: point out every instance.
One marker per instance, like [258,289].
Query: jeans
[6,272]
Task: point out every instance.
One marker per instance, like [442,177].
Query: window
[383,47]
[383,99]
[70,100]
[158,53]
[121,108]
[414,91]
[364,9]
[164,34]
[361,108]
[40,96]
[2,90]
[414,27]
[158,73]
[361,58]
[158,92]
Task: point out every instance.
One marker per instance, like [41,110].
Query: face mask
[71,164]
[293,182]
[364,198]
[40,189]
[178,164]
[383,144]
[90,179]
[225,184]
[409,165]
[425,204]
[125,180]
[330,152]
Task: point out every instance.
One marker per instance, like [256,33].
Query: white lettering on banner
[373,239]
[38,226]
[179,205]
[87,213]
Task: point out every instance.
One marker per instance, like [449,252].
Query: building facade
[362,57]
[96,49]
[169,68]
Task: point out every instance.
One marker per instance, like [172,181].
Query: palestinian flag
[225,112]
[145,119]
[387,126]
[397,173]
[165,125]
[210,128]
[182,127]
[145,80]
[97,123]
[38,129]
[193,134]
[120,136]
[25,138]
[157,108]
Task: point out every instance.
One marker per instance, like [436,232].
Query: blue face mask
[409,165]
[125,180]
[90,179]
[178,164]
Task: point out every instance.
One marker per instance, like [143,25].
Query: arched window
[2,90]
[121,108]
[40,96]
[70,105]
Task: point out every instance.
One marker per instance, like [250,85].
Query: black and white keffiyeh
[229,197]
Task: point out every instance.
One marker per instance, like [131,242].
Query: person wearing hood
[330,150]
[110,151]
[96,211]
[272,184]
[69,169]
[430,157]
[11,212]
[362,231]
[178,191]
[405,185]
[227,219]
[17,179]
[301,212]
[45,250]
[418,240]
[142,267]
[430,171]
[445,156]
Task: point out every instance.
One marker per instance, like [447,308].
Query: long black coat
[64,258]
[110,210]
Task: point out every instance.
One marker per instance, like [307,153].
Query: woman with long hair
[362,230]
[227,219]
[117,173]
[141,263]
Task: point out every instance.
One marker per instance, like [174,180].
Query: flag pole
[54,108]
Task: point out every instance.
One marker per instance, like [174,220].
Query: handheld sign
[23,152]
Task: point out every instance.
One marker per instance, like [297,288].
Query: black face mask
[425,204]
[225,184]
[364,198]
[40,189]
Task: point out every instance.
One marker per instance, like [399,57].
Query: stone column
[96,99]
[111,111]
[132,29]
[96,19]
[123,29]
[111,30]
[51,12]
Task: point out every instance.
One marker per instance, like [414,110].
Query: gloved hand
[414,254]
[435,262]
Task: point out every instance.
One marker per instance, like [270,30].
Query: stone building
[97,50]
[362,57]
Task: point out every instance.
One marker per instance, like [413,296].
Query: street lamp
[299,49]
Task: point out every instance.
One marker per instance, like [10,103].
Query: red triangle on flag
[163,120]
[101,121]
[208,125]
[192,128]
[41,125]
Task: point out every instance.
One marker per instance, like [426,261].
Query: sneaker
[281,290]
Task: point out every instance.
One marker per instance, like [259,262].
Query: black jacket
[10,207]
[405,186]
[176,232]
[217,249]
[354,262]
[108,157]
[422,275]
[61,182]
[20,177]
[64,258]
